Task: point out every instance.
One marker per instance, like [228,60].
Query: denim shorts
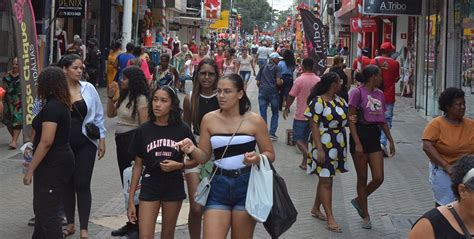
[228,193]
[441,185]
[301,130]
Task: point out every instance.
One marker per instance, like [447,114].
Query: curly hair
[462,166]
[447,97]
[197,89]
[137,86]
[53,83]
[175,111]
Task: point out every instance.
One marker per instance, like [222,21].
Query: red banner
[27,52]
[368,25]
[213,9]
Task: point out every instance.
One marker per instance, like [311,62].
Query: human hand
[170,165]
[353,119]
[186,145]
[111,90]
[285,113]
[392,149]
[132,214]
[101,149]
[321,156]
[28,178]
[251,158]
[359,150]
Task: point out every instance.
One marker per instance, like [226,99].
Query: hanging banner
[27,52]
[70,8]
[316,40]
[213,9]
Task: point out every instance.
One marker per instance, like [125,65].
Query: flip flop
[302,167]
[11,147]
[67,233]
[356,206]
[318,215]
[334,228]
[367,225]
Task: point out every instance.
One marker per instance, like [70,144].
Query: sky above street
[280,4]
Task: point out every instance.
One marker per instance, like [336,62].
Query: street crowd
[171,145]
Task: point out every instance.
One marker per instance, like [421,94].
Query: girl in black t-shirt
[153,146]
[53,160]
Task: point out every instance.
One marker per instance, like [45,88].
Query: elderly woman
[455,220]
[445,140]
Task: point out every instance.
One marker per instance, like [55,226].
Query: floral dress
[332,119]
[12,112]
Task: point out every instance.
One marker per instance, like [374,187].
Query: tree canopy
[254,12]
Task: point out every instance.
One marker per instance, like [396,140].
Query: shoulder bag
[92,130]
[466,232]
[204,187]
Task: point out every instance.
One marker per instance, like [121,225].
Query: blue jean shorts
[228,193]
[301,130]
[441,185]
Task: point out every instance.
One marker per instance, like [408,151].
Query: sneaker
[384,150]
[273,137]
[120,232]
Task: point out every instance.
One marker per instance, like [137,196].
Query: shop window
[464,17]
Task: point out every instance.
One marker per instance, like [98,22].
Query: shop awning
[347,6]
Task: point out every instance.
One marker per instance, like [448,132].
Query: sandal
[318,215]
[302,167]
[67,232]
[357,207]
[334,228]
[367,225]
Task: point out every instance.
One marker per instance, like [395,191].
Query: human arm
[253,65]
[289,102]
[264,143]
[176,77]
[422,229]
[386,130]
[435,157]
[136,173]
[46,142]
[353,129]
[111,104]
[316,135]
[99,121]
[200,154]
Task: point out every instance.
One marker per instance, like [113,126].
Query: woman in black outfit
[338,67]
[53,160]
[86,109]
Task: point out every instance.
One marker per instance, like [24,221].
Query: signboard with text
[392,7]
[368,25]
[71,8]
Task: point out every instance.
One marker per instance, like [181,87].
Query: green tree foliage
[254,12]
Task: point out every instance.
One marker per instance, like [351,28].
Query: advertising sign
[368,25]
[213,9]
[71,8]
[316,40]
[392,7]
[27,52]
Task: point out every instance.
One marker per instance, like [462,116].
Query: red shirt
[390,74]
[365,62]
[219,61]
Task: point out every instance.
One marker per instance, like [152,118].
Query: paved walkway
[403,197]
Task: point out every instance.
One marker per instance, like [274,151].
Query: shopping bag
[283,213]
[127,179]
[259,200]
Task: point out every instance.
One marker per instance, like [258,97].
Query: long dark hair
[52,82]
[289,59]
[323,86]
[175,112]
[244,102]
[137,86]
[197,89]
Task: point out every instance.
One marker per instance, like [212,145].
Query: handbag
[92,130]
[283,213]
[259,199]
[204,187]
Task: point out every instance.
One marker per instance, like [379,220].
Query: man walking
[263,53]
[122,59]
[391,74]
[301,90]
[268,78]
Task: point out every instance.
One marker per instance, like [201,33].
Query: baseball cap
[387,47]
[275,55]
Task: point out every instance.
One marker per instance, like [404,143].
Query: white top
[245,64]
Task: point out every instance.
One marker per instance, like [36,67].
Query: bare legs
[15,134]
[195,210]
[303,147]
[218,222]
[324,197]
[148,214]
[375,161]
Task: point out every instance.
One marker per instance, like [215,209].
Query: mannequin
[60,39]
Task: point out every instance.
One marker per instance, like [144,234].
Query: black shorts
[160,186]
[369,135]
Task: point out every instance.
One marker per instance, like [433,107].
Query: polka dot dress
[332,119]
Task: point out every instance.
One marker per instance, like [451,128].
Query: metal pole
[52,29]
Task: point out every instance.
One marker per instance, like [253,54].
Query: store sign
[71,8]
[392,7]
[368,25]
[27,51]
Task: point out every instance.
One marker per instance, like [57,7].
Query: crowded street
[239,119]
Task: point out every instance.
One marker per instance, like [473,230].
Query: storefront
[446,42]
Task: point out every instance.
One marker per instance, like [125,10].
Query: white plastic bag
[259,201]
[127,179]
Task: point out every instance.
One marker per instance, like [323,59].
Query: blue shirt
[284,69]
[122,62]
[267,77]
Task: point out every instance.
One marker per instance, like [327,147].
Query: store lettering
[25,56]
[27,51]
[70,3]
[18,8]
[387,6]
[317,39]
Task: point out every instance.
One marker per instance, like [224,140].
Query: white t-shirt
[245,63]
[188,70]
[263,52]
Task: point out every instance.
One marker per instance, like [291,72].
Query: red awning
[347,6]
